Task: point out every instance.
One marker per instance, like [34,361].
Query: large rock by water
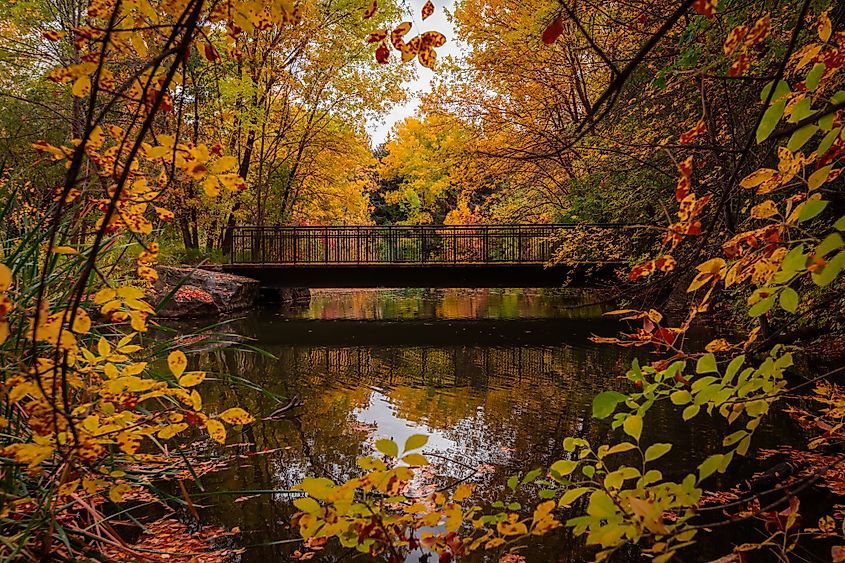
[202,293]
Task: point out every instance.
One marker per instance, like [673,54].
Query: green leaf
[762,307]
[690,412]
[781,90]
[706,364]
[572,495]
[546,494]
[814,76]
[633,426]
[830,271]
[827,141]
[656,451]
[819,177]
[840,224]
[601,505]
[415,442]
[795,260]
[709,466]
[800,110]
[826,122]
[563,467]
[605,403]
[800,137]
[734,438]
[810,209]
[415,460]
[789,300]
[680,397]
[832,242]
[513,481]
[531,476]
[387,447]
[770,121]
[620,448]
[733,367]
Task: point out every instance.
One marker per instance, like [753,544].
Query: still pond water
[497,378]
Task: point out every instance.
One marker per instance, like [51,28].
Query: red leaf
[382,54]
[553,31]
[706,8]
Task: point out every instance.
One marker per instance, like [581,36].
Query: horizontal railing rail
[399,244]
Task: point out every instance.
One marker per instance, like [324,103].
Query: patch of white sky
[380,127]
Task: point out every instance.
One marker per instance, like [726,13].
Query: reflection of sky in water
[382,415]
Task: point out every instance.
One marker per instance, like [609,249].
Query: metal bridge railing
[419,244]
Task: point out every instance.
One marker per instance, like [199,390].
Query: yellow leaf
[764,210]
[128,442]
[129,292]
[825,27]
[104,296]
[462,492]
[512,527]
[5,277]
[171,430]
[117,492]
[68,488]
[158,152]
[757,177]
[699,281]
[223,164]
[236,415]
[216,430]
[63,250]
[211,186]
[232,182]
[196,400]
[177,362]
[138,321]
[81,322]
[192,378]
[82,86]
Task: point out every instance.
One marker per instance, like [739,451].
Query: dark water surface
[496,378]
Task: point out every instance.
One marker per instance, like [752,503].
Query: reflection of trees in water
[452,303]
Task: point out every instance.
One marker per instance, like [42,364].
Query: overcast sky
[379,129]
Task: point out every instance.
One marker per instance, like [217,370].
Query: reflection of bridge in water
[436,366]
[420,255]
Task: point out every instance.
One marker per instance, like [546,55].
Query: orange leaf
[735,37]
[377,36]
[432,39]
[397,35]
[428,57]
[427,10]
[371,9]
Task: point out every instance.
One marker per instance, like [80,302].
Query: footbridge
[427,255]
